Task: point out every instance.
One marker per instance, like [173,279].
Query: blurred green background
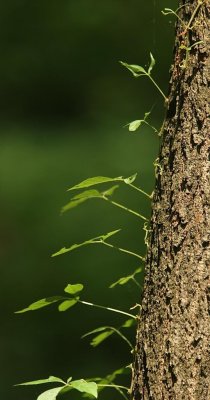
[64,102]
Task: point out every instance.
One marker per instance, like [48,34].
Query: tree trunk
[172,357]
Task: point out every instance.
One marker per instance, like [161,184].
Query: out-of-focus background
[64,104]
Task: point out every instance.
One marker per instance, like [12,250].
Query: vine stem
[122,336]
[136,282]
[119,388]
[200,2]
[121,249]
[113,386]
[125,208]
[107,308]
[156,85]
[135,187]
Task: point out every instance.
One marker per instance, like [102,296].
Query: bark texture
[172,358]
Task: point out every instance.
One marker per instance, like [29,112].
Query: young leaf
[101,337]
[152,63]
[109,192]
[65,305]
[94,181]
[41,381]
[73,289]
[106,332]
[121,281]
[50,394]
[101,329]
[109,234]
[136,70]
[85,387]
[72,204]
[146,115]
[86,195]
[127,324]
[134,125]
[40,304]
[90,241]
[130,179]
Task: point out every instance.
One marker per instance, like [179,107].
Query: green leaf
[90,241]
[121,281]
[130,179]
[41,381]
[73,247]
[86,195]
[69,379]
[85,387]
[136,70]
[134,125]
[72,204]
[40,304]
[65,305]
[110,191]
[73,289]
[106,332]
[50,394]
[102,328]
[137,271]
[127,324]
[146,115]
[109,234]
[101,337]
[111,377]
[94,181]
[152,64]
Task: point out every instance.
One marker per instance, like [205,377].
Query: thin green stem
[125,208]
[119,388]
[136,282]
[200,2]
[151,126]
[156,85]
[122,336]
[107,308]
[113,386]
[137,188]
[121,249]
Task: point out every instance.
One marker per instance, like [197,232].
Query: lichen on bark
[172,355]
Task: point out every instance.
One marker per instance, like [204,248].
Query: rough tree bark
[172,357]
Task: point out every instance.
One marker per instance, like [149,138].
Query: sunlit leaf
[94,181]
[146,115]
[85,387]
[152,64]
[72,204]
[41,381]
[109,192]
[106,332]
[134,125]
[121,281]
[73,289]
[130,179]
[136,70]
[109,234]
[101,329]
[101,337]
[137,271]
[87,194]
[90,241]
[127,324]
[40,304]
[50,394]
[65,305]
